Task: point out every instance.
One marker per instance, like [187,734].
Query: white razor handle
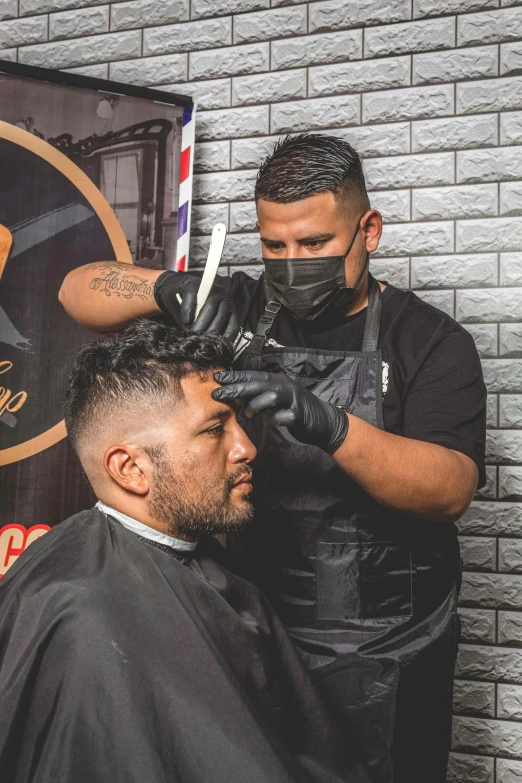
[215,251]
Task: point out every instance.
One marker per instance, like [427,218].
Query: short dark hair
[309,163]
[139,363]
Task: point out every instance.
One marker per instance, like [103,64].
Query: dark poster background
[65,200]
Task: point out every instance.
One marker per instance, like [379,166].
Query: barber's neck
[361,299]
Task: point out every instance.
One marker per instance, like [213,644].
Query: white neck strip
[145,531]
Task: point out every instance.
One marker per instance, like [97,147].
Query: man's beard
[190,507]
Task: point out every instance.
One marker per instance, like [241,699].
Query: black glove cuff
[158,298]
[339,428]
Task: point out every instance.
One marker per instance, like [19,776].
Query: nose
[292,250]
[242,449]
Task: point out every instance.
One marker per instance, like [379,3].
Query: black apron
[367,594]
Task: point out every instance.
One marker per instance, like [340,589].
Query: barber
[368,409]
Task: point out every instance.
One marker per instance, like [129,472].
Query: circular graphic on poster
[52,219]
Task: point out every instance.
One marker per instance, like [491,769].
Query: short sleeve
[446,401]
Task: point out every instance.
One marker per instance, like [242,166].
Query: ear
[257,224]
[371,224]
[129,467]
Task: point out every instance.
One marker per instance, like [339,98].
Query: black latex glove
[217,315]
[308,418]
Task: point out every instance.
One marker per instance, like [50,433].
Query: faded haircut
[138,364]
[310,163]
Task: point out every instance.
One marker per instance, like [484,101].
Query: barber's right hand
[217,315]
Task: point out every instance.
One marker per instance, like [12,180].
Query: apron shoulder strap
[264,326]
[373,316]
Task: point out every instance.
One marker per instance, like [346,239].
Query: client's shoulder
[66,553]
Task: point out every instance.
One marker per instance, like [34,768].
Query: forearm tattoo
[118,282]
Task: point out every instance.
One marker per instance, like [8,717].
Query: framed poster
[89,170]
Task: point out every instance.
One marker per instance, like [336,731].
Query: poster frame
[106,86]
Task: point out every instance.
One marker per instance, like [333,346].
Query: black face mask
[309,286]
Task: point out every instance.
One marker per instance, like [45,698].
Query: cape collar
[147,532]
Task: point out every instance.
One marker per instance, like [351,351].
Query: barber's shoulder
[416,325]
[53,558]
[246,279]
[247,291]
[411,307]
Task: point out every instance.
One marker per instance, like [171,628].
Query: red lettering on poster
[14,539]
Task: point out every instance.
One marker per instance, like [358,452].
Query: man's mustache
[243,472]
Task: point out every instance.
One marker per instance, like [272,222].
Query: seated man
[127,653]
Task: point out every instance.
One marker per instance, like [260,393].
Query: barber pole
[185,188]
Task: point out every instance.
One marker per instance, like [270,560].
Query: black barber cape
[124,662]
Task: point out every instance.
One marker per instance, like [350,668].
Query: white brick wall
[430,92]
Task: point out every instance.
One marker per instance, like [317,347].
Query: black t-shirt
[433,388]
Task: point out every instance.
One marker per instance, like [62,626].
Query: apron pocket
[363,581]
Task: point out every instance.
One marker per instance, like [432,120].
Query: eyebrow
[302,241]
[220,415]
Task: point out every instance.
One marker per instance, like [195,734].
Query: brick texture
[430,93]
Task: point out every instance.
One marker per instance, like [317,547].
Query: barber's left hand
[308,418]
